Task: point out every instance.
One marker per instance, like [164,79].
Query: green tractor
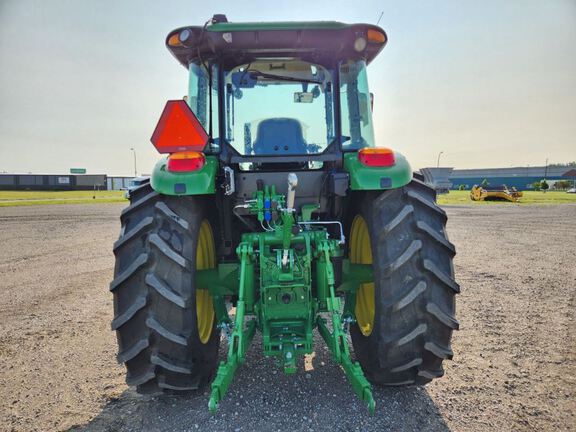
[273,210]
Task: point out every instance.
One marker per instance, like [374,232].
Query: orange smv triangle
[178,129]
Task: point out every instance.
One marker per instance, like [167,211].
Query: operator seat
[279,136]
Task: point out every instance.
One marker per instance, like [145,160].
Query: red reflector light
[178,129]
[185,161]
[376,157]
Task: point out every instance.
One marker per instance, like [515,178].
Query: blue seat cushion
[279,136]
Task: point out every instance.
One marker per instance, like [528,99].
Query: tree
[462,187]
[536,185]
[544,185]
[485,183]
[562,184]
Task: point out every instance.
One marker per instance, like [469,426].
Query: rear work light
[186,161]
[377,157]
[178,130]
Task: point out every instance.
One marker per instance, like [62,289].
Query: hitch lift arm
[336,340]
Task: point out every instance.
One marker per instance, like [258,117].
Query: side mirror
[303,97]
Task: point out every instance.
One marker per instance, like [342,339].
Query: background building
[521,178]
[62,182]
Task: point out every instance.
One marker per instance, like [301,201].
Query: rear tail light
[186,161]
[377,157]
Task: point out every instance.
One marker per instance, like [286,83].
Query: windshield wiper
[258,74]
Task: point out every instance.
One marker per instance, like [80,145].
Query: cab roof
[230,43]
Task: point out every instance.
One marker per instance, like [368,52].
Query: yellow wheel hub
[205,259]
[361,253]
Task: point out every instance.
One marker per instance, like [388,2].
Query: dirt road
[515,356]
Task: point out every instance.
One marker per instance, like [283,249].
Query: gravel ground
[515,356]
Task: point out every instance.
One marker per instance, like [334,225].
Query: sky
[489,84]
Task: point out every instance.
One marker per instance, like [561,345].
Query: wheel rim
[205,259]
[361,253]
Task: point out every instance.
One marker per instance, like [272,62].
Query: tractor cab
[294,94]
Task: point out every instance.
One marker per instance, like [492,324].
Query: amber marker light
[174,40]
[375,36]
[376,157]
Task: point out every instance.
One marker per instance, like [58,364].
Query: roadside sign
[77,170]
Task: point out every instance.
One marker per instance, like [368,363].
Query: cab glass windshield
[279,107]
[355,106]
[199,100]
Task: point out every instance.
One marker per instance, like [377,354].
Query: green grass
[530,197]
[26,198]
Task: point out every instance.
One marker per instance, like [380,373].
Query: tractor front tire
[406,317]
[165,326]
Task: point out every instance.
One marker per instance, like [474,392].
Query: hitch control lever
[292,184]
[289,218]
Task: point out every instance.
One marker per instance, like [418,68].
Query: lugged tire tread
[400,217]
[438,351]
[161,206]
[125,316]
[144,185]
[420,182]
[414,287]
[153,324]
[419,198]
[138,204]
[158,360]
[441,276]
[418,289]
[163,247]
[404,257]
[153,288]
[138,229]
[141,378]
[129,272]
[417,331]
[161,288]
[445,318]
[436,236]
[133,351]
[164,385]
[430,374]
[418,176]
[408,365]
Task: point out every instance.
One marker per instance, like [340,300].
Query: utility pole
[546,169]
[438,162]
[135,171]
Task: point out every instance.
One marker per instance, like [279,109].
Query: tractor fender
[199,182]
[363,177]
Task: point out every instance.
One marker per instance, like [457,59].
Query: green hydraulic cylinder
[288,223]
[321,284]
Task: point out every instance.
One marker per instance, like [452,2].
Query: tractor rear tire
[406,317]
[166,330]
